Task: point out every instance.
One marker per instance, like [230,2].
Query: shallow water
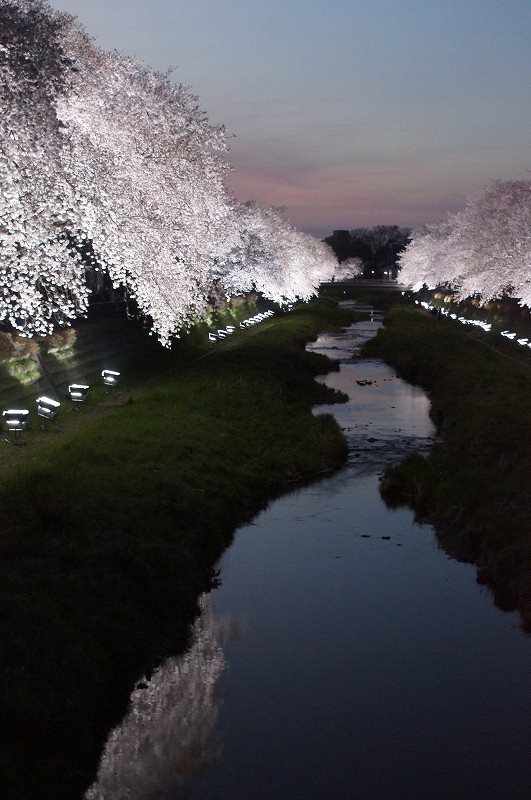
[385,417]
[367,664]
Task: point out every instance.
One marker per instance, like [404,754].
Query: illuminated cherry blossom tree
[483,250]
[496,227]
[39,278]
[433,257]
[102,155]
[350,268]
[274,258]
[155,206]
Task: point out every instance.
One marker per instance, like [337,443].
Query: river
[344,656]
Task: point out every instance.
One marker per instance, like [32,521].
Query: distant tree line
[377,248]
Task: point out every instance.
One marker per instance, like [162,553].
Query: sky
[348,113]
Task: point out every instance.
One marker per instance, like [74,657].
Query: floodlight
[78,392]
[110,377]
[17,420]
[47,408]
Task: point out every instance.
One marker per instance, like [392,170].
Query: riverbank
[112,524]
[474,485]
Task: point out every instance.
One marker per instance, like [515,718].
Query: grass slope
[112,524]
[475,483]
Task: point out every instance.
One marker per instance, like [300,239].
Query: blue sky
[350,112]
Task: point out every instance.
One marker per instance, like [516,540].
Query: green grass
[112,522]
[475,482]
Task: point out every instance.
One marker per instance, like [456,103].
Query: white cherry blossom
[484,250]
[101,155]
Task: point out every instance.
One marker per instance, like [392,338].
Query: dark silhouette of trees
[377,247]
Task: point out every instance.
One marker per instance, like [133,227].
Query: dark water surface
[368,664]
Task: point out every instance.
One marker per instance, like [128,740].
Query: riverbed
[344,654]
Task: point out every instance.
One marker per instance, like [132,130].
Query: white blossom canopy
[349,268]
[99,150]
[274,258]
[483,250]
[156,209]
[39,278]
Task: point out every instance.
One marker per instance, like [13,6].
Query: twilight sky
[349,112]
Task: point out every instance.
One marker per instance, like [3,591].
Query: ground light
[245,323]
[78,392]
[16,420]
[47,408]
[110,377]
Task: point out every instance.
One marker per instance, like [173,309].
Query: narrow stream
[344,656]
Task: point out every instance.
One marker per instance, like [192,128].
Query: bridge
[367,283]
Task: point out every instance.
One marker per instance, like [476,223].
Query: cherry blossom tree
[102,156]
[39,278]
[274,258]
[484,250]
[350,268]
[155,206]
[496,227]
[433,257]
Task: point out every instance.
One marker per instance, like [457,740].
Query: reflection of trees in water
[168,732]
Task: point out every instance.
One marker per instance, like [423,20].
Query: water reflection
[168,732]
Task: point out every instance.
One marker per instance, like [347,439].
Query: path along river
[366,665]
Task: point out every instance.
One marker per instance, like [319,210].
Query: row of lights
[485,325]
[222,333]
[524,341]
[17,419]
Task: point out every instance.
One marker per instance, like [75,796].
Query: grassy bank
[475,483]
[112,523]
